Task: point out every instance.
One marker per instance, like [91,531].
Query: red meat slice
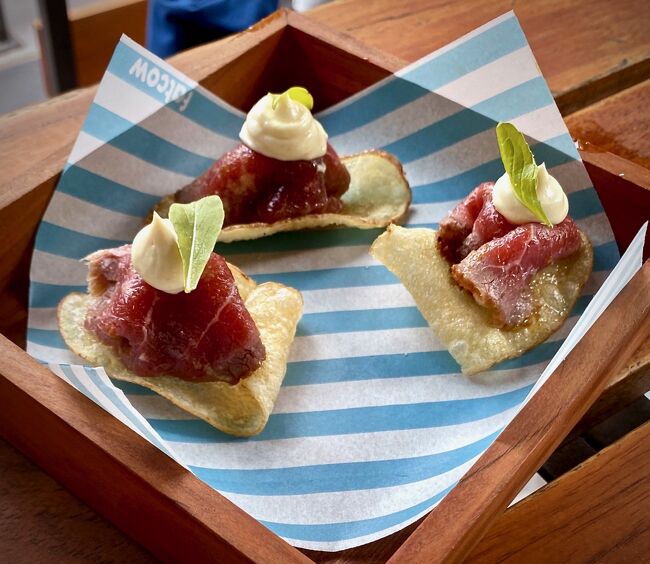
[206,335]
[472,223]
[254,187]
[498,273]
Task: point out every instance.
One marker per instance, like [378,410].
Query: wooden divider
[597,512]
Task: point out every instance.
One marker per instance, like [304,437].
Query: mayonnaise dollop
[549,192]
[287,132]
[156,257]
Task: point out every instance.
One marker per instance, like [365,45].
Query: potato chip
[242,409]
[459,322]
[378,195]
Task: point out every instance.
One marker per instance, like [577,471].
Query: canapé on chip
[285,176]
[498,277]
[198,332]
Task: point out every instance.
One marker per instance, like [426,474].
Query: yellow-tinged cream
[549,192]
[287,132]
[156,257]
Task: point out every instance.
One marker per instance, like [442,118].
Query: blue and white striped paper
[374,424]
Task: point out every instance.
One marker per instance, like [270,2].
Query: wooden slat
[452,530]
[242,68]
[36,141]
[586,50]
[598,512]
[41,522]
[145,493]
[619,124]
[32,399]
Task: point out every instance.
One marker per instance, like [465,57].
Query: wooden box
[167,509]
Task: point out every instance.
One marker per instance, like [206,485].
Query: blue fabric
[174,25]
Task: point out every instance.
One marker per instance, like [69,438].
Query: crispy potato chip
[378,195]
[459,322]
[242,409]
[245,284]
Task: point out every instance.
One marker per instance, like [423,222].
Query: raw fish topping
[470,224]
[257,188]
[205,335]
[495,260]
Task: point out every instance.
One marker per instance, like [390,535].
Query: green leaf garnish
[519,162]
[197,227]
[296,93]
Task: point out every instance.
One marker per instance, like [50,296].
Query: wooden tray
[167,509]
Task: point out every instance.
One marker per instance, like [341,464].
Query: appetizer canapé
[285,176]
[168,313]
[505,267]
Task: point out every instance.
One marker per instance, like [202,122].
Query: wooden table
[596,58]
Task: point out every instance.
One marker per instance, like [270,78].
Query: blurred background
[50,46]
[21,81]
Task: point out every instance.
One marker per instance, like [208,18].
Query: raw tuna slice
[257,188]
[472,223]
[499,272]
[205,335]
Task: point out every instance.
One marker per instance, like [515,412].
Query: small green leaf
[519,162]
[197,227]
[301,95]
[296,93]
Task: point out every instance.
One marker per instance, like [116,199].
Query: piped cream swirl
[549,192]
[156,257]
[287,132]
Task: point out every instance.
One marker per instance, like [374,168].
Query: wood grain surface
[626,386]
[95,29]
[598,512]
[619,124]
[40,521]
[586,50]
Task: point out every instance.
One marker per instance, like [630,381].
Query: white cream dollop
[549,192]
[156,257]
[287,132]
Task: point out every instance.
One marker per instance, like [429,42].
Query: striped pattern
[95,385]
[374,424]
